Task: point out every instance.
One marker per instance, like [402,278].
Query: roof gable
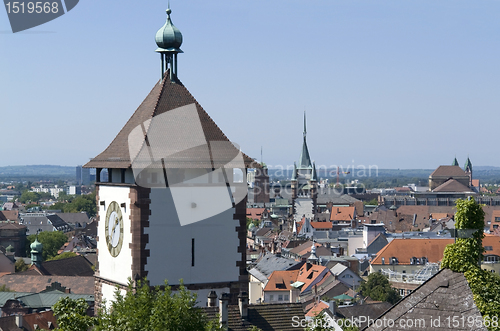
[452,185]
[342,213]
[164,97]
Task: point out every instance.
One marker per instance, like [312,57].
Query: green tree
[29,197]
[465,256]
[72,315]
[63,256]
[378,288]
[21,266]
[373,202]
[4,288]
[140,308]
[86,203]
[52,242]
[143,308]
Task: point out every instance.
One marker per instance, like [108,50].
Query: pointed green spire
[305,129]
[314,177]
[455,163]
[468,165]
[305,159]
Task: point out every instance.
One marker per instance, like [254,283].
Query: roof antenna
[261,159]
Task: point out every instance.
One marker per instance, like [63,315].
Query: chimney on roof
[243,304]
[331,307]
[223,305]
[212,299]
[294,294]
[308,266]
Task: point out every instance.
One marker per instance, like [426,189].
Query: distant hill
[485,168]
[389,177]
[53,171]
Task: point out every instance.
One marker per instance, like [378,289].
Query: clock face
[114,228]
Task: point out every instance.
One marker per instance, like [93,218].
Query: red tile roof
[342,214]
[322,225]
[317,309]
[281,280]
[405,249]
[311,276]
[255,213]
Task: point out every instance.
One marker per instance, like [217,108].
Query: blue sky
[397,84]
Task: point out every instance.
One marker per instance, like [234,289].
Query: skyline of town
[405,86]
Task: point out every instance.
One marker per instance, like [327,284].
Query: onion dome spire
[169,40]
[36,252]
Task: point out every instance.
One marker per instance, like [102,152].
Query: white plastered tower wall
[116,269]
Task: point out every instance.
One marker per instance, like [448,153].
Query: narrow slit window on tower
[192,252]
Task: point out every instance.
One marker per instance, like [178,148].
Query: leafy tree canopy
[51,241]
[76,204]
[21,266]
[378,288]
[29,197]
[465,256]
[63,256]
[72,315]
[140,308]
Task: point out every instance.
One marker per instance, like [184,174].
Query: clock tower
[174,203]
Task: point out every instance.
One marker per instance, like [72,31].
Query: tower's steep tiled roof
[305,159]
[164,97]
[468,165]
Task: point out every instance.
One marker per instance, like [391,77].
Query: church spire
[305,159]
[305,128]
[169,40]
[455,162]
[468,165]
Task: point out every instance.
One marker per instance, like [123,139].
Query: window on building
[271,297]
[287,298]
[497,219]
[383,260]
[488,248]
[402,292]
[280,297]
